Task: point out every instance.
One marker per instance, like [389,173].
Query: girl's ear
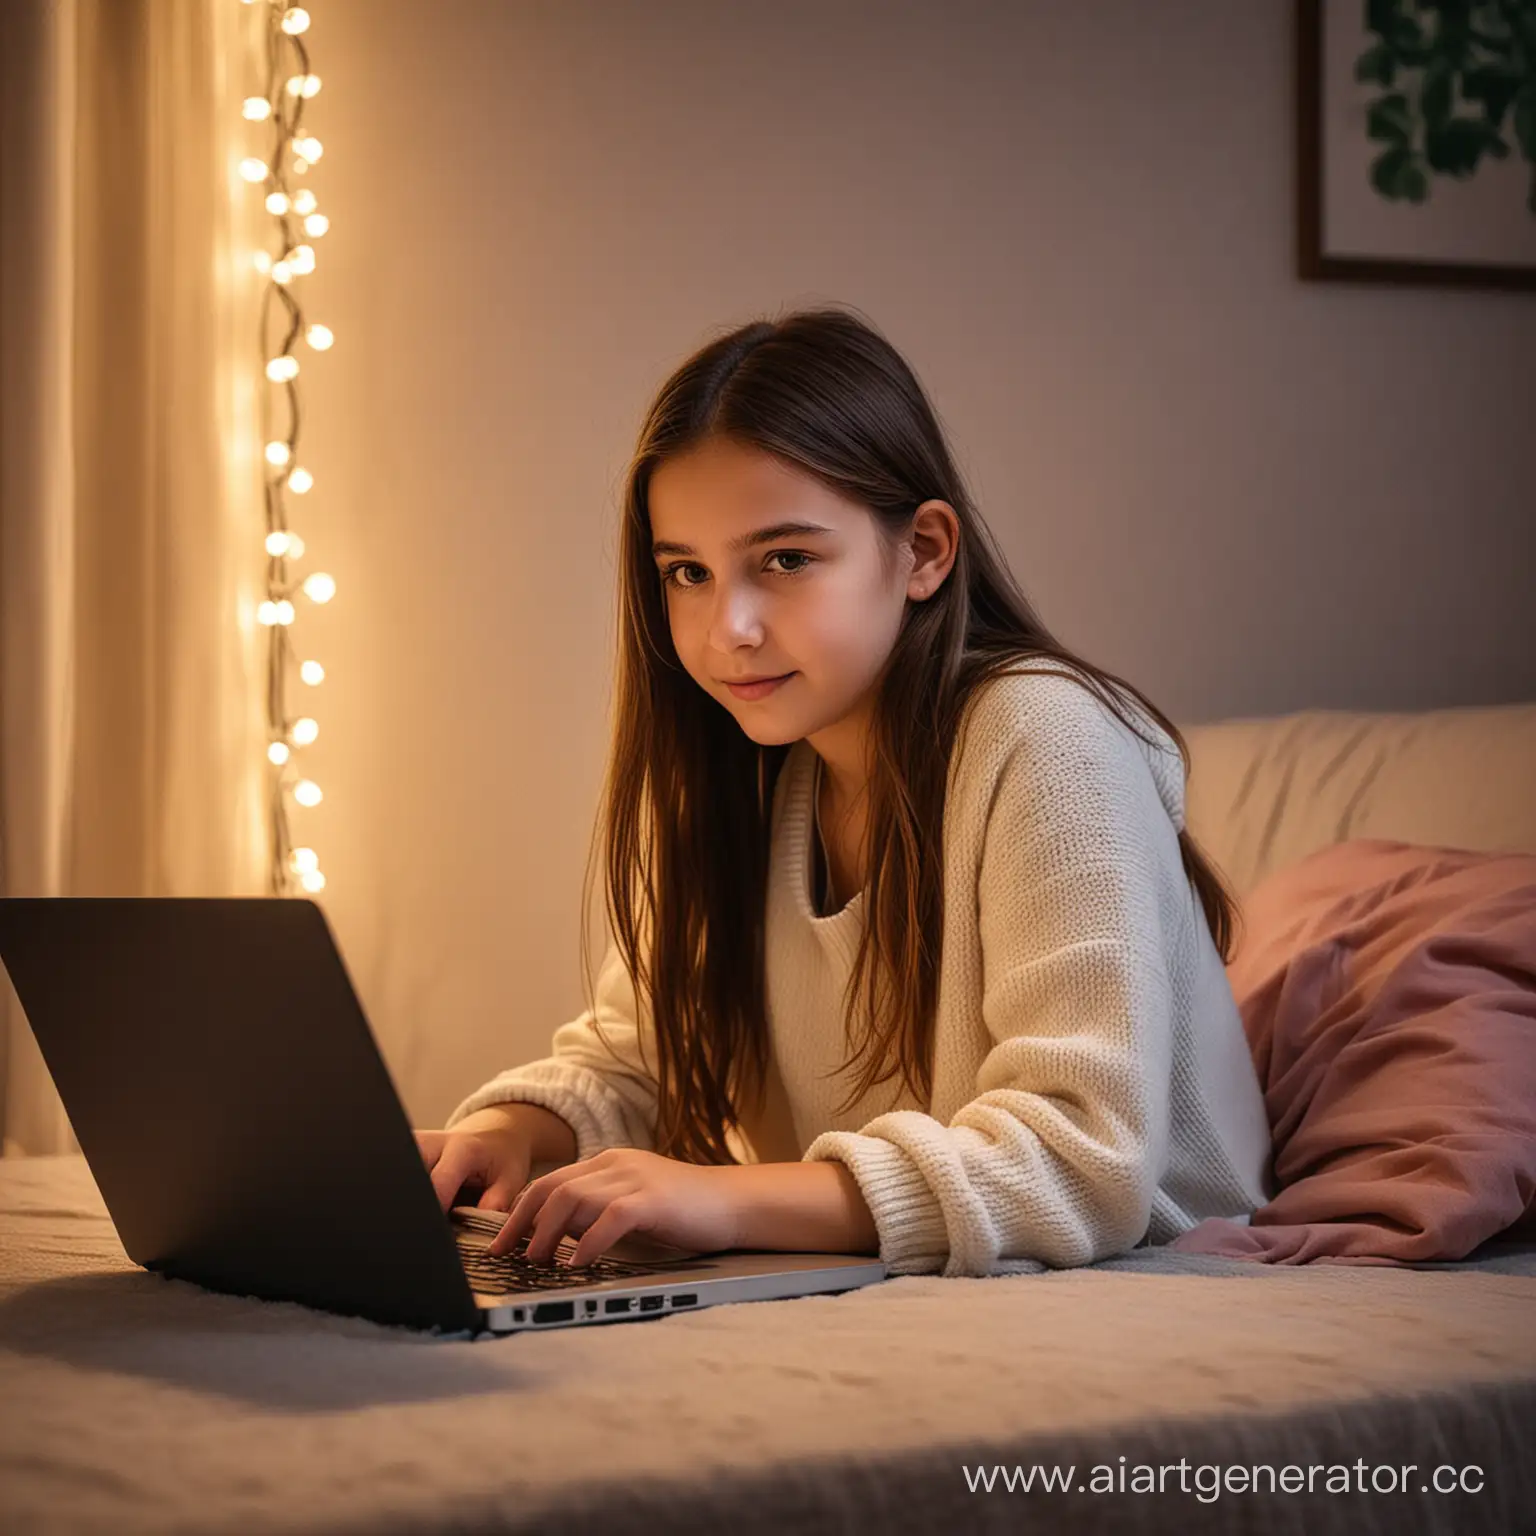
[935,540]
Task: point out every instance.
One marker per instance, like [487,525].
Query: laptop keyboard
[514,1271]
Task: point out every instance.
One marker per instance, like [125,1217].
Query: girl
[868,823]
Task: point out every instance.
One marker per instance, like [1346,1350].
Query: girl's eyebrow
[745,540]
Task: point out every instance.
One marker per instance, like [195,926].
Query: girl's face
[749,596]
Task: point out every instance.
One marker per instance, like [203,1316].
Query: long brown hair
[689,796]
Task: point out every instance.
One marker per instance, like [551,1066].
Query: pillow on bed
[1388,992]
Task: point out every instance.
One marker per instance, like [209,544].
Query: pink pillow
[1388,993]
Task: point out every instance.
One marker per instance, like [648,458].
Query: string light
[289,85]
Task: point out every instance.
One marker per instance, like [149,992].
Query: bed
[130,1403]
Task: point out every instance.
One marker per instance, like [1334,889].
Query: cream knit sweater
[1092,1085]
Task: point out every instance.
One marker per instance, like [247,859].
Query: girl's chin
[769,735]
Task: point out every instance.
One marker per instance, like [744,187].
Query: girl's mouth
[759,690]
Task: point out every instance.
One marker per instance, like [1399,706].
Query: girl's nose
[735,619]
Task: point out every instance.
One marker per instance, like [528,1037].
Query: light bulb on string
[280,182]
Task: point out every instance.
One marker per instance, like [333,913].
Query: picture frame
[1416,142]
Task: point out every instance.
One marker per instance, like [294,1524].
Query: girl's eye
[670,574]
[791,554]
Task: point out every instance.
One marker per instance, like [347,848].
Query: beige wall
[1248,494]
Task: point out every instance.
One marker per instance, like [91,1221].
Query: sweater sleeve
[608,1098]
[1056,1160]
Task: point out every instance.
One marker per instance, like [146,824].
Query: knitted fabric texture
[1092,1085]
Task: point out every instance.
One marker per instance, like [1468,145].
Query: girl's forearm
[803,1207]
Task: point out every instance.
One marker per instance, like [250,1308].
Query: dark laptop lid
[231,1101]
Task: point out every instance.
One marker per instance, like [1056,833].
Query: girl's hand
[492,1148]
[619,1191]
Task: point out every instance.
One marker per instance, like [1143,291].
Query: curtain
[131,523]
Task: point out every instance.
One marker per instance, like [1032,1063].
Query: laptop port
[591,1306]
[685,1301]
[619,1304]
[652,1303]
[554,1312]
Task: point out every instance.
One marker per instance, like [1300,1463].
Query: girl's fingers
[500,1195]
[527,1207]
[430,1145]
[618,1219]
[449,1170]
[571,1208]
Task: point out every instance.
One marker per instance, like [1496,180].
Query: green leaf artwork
[1456,77]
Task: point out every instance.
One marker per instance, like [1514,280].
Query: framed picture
[1416,139]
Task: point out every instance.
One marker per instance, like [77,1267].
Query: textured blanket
[130,1403]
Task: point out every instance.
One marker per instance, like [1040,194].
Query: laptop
[243,1129]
